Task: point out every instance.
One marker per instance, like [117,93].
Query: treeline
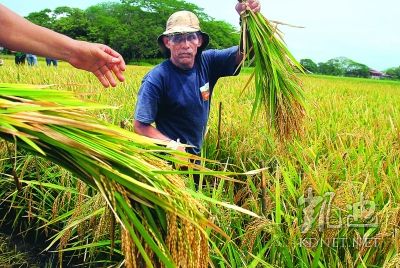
[345,67]
[131,26]
[394,72]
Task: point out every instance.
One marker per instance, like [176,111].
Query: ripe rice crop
[350,150]
[277,86]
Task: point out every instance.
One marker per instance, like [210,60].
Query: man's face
[183,47]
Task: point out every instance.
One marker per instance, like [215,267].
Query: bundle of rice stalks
[277,87]
[163,224]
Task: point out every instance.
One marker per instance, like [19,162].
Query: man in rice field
[176,94]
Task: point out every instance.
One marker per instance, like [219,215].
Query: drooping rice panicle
[127,169]
[277,87]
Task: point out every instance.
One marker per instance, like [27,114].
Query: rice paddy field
[327,198]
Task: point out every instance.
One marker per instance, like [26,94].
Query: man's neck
[182,66]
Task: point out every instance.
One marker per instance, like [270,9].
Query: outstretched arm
[17,33]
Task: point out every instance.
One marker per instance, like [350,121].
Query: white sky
[363,30]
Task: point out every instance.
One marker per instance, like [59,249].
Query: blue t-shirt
[171,97]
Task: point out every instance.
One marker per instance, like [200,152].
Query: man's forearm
[19,34]
[149,131]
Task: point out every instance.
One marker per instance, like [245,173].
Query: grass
[351,145]
[10,256]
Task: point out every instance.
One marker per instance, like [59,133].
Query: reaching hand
[253,5]
[99,59]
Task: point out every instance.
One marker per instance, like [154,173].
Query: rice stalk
[278,89]
[394,262]
[257,229]
[127,169]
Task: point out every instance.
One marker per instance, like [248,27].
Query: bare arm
[149,131]
[17,33]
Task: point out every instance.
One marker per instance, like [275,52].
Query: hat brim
[165,51]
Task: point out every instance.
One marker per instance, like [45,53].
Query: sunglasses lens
[178,38]
[192,37]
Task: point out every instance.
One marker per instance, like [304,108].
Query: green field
[328,198]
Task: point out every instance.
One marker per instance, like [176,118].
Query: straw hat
[182,22]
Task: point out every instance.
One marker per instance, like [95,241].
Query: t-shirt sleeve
[223,62]
[147,103]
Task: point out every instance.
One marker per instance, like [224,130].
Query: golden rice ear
[131,173]
[278,88]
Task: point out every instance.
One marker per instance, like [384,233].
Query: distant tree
[44,18]
[72,22]
[165,8]
[309,65]
[356,69]
[394,72]
[131,26]
[222,34]
[331,67]
[126,28]
[343,66]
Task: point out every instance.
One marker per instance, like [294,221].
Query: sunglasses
[183,37]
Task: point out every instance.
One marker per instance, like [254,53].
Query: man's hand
[176,145]
[253,5]
[99,59]
[17,33]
